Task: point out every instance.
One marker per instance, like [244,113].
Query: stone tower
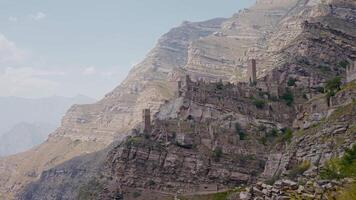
[351,72]
[251,71]
[146,118]
[179,84]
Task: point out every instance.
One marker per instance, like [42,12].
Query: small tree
[288,97]
[239,131]
[217,153]
[343,63]
[260,104]
[291,82]
[332,86]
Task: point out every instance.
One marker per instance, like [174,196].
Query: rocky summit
[257,106]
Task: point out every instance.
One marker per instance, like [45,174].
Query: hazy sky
[70,47]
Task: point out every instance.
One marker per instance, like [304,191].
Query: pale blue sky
[69,47]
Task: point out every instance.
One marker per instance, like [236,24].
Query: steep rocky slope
[202,143]
[304,40]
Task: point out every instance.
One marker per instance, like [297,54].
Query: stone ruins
[146,118]
[251,71]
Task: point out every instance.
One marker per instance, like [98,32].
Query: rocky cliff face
[298,46]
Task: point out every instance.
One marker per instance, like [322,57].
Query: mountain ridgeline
[216,124]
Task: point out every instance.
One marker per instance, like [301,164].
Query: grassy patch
[349,193]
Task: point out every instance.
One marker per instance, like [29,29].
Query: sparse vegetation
[287,135]
[90,190]
[348,193]
[272,133]
[216,196]
[217,154]
[332,86]
[291,81]
[288,97]
[343,64]
[220,85]
[324,68]
[338,168]
[239,131]
[320,89]
[259,103]
[274,178]
[133,141]
[299,169]
[136,194]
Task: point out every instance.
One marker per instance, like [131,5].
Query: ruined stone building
[146,118]
[251,71]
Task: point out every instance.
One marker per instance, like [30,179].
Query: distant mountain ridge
[48,110]
[24,136]
[27,122]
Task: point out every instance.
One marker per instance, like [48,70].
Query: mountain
[24,136]
[195,145]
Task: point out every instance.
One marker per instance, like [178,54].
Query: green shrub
[291,81]
[259,103]
[272,133]
[320,89]
[133,141]
[136,194]
[338,168]
[219,85]
[286,136]
[217,154]
[332,86]
[288,97]
[274,178]
[324,68]
[299,169]
[343,64]
[239,131]
[263,140]
[331,170]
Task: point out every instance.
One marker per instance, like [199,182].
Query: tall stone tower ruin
[251,71]
[146,118]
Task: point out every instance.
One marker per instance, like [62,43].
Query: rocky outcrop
[287,189]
